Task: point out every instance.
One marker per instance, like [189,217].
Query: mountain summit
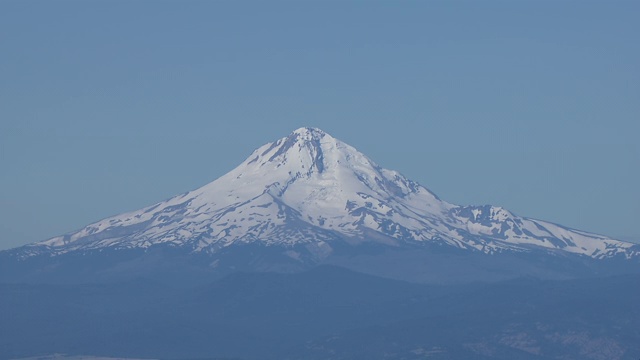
[308,194]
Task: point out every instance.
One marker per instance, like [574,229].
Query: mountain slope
[312,191]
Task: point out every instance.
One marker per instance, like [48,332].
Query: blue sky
[110,106]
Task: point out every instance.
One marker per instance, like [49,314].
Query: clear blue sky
[110,106]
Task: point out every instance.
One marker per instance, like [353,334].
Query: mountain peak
[310,188]
[301,151]
[309,133]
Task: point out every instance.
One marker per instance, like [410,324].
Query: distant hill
[325,313]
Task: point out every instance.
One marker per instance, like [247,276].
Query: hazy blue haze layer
[325,313]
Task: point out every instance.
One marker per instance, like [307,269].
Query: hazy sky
[107,107]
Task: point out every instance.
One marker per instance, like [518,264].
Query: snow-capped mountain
[312,190]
